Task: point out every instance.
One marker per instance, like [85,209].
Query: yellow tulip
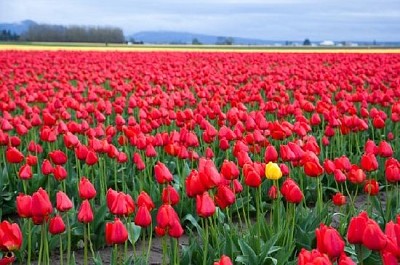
[273,171]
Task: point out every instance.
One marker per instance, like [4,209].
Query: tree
[307,42]
[195,41]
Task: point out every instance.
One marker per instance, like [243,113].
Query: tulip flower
[63,202]
[273,171]
[10,236]
[229,170]
[271,155]
[193,184]
[329,241]
[24,205]
[162,173]
[119,203]
[41,206]
[339,199]
[14,156]
[205,206]
[313,257]
[145,199]
[252,178]
[56,225]
[58,157]
[291,191]
[60,173]
[170,195]
[46,167]
[143,216]
[25,172]
[85,213]
[86,189]
[371,187]
[385,149]
[368,162]
[372,237]
[116,232]
[224,197]
[224,260]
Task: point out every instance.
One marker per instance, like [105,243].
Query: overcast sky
[338,20]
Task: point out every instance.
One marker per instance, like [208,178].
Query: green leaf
[249,256]
[133,232]
[194,222]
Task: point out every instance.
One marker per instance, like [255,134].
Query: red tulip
[356,175]
[356,228]
[313,257]
[70,140]
[252,177]
[162,173]
[329,241]
[85,213]
[368,162]
[31,160]
[224,197]
[41,206]
[344,260]
[271,155]
[10,236]
[116,232]
[63,202]
[208,173]
[291,191]
[229,170]
[392,170]
[14,156]
[339,176]
[205,206]
[143,216]
[193,184]
[59,172]
[370,147]
[373,238]
[46,168]
[25,172]
[385,149]
[86,189]
[56,225]
[119,203]
[371,187]
[91,158]
[273,192]
[170,195]
[237,186]
[313,169]
[8,258]
[144,199]
[224,260]
[58,157]
[339,199]
[24,205]
[329,166]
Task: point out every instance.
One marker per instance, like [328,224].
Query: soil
[155,256]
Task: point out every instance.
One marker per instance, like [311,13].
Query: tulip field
[256,158]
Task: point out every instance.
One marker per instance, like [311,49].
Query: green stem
[29,242]
[115,254]
[68,241]
[61,251]
[90,241]
[149,247]
[205,242]
[41,246]
[164,248]
[85,250]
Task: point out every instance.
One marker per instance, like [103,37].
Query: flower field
[259,158]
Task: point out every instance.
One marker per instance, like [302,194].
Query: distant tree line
[57,33]
[6,35]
